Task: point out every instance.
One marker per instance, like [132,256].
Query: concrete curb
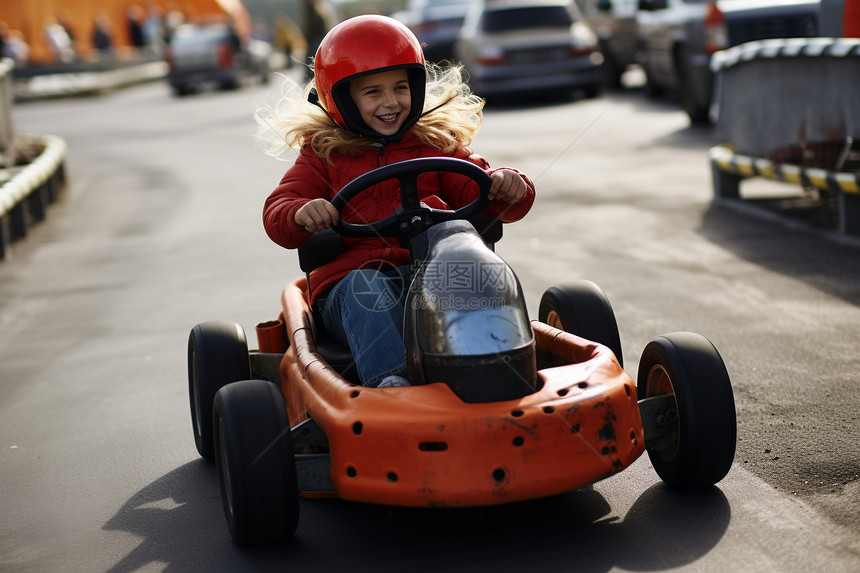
[26,191]
[25,196]
[82,83]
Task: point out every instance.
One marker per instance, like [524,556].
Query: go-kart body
[532,409]
[423,446]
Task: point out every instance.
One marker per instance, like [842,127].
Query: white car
[436,24]
[213,53]
[518,46]
[677,38]
[614,22]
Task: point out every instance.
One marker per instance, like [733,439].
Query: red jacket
[312,177]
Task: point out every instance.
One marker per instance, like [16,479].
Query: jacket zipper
[388,189]
[387,186]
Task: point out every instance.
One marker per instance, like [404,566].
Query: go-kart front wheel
[582,308]
[217,355]
[256,464]
[692,444]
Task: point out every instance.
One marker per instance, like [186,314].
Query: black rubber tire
[584,310]
[698,112]
[229,84]
[653,89]
[217,355]
[701,449]
[256,464]
[592,91]
[612,72]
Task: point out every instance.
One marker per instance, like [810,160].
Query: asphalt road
[160,229]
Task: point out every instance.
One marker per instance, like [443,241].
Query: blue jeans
[364,311]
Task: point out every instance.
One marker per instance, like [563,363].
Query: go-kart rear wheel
[217,355]
[256,464]
[581,308]
[697,431]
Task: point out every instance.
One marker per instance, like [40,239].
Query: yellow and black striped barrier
[729,168]
[724,157]
[793,100]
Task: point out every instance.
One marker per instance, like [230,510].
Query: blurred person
[237,44]
[16,47]
[58,41]
[65,20]
[135,17]
[172,21]
[285,38]
[4,36]
[316,20]
[153,29]
[378,104]
[102,37]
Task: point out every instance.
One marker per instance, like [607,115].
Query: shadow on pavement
[180,521]
[827,263]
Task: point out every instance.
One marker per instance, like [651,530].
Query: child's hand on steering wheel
[507,186]
[316,215]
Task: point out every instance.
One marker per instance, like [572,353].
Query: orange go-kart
[501,409]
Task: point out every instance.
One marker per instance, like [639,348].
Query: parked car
[517,46]
[677,38]
[436,24]
[214,54]
[614,22]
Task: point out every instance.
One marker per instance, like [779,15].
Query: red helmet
[361,46]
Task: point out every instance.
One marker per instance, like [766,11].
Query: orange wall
[29,16]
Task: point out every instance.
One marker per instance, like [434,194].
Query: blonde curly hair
[451,118]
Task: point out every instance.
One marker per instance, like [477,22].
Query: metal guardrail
[24,198]
[26,189]
[88,81]
[730,168]
[32,168]
[7,129]
[789,111]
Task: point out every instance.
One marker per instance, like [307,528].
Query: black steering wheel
[411,217]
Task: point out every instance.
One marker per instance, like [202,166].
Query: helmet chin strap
[386,139]
[382,140]
[314,98]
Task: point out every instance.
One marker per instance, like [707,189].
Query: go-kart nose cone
[469,308]
[467,323]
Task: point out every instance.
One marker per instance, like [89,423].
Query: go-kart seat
[323,247]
